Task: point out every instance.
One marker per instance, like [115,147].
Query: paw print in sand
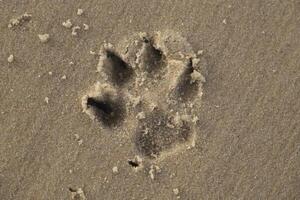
[149,88]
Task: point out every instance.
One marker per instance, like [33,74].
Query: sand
[238,130]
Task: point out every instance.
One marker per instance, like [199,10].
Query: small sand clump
[46,100]
[196,76]
[200,52]
[176,192]
[74,30]
[44,37]
[77,194]
[19,20]
[10,58]
[86,27]
[115,169]
[67,24]
[154,169]
[80,12]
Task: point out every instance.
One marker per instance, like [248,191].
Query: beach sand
[243,127]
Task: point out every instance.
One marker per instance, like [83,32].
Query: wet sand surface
[247,134]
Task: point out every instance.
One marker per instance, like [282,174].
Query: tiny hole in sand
[133,163]
[72,190]
[100,105]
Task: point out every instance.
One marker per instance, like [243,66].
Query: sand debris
[44,37]
[86,27]
[50,73]
[79,141]
[200,52]
[196,76]
[80,11]
[10,58]
[115,170]
[46,100]
[176,192]
[67,24]
[92,52]
[77,194]
[64,77]
[154,169]
[19,20]
[74,30]
[195,61]
[141,115]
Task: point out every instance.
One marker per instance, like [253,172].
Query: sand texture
[196,99]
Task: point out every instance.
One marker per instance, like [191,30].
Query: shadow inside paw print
[185,88]
[117,70]
[109,112]
[153,86]
[104,105]
[152,58]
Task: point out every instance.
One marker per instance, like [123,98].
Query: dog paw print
[149,88]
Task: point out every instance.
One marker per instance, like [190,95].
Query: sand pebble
[50,73]
[44,37]
[115,169]
[76,136]
[67,24]
[10,58]
[64,77]
[80,142]
[176,192]
[80,12]
[92,52]
[46,100]
[224,21]
[85,27]
[200,52]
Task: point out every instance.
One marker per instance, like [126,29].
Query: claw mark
[115,67]
[109,112]
[152,58]
[104,105]
[185,88]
